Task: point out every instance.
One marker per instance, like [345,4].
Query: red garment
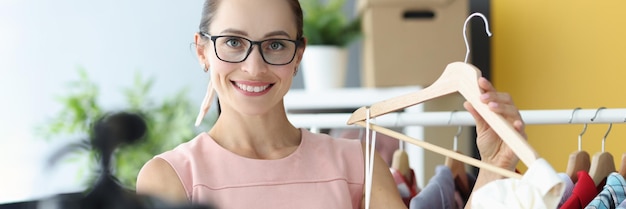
[584,191]
[407,187]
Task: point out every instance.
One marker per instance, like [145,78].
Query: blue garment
[612,195]
[439,193]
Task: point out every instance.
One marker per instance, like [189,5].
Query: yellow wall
[563,54]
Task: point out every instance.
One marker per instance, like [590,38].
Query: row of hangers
[602,163]
[598,167]
[400,162]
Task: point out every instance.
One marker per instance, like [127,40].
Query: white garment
[539,188]
[569,188]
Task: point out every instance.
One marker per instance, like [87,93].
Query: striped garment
[612,195]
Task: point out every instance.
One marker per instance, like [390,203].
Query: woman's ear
[200,45]
[300,51]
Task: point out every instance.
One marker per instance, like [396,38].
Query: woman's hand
[491,147]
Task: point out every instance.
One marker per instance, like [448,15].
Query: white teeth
[254,89]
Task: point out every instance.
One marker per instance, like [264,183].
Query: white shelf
[346,98]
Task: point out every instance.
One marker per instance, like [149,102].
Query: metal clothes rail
[463,118]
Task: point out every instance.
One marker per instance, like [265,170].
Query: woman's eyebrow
[277,33]
[243,33]
[234,31]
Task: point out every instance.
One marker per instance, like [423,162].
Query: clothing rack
[463,118]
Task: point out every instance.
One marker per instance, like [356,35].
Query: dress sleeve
[539,188]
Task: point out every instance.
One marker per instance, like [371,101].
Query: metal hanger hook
[580,136]
[606,134]
[451,115]
[467,49]
[607,131]
[458,132]
[597,111]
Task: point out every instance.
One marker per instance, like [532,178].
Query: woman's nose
[254,64]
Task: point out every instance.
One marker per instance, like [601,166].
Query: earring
[206,103]
[206,69]
[295,71]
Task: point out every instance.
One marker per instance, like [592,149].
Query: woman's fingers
[501,103]
[485,85]
[520,127]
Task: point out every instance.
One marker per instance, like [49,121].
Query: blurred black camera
[108,133]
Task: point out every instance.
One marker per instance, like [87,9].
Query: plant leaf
[326,24]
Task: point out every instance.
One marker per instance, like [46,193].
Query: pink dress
[323,172]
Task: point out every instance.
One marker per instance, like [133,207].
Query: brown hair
[210,7]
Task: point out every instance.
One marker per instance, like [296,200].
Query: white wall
[42,43]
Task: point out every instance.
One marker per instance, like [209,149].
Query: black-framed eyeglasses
[235,49]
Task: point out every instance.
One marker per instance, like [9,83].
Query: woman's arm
[385,194]
[157,178]
[491,147]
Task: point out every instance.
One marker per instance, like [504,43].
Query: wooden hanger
[458,170]
[400,162]
[578,160]
[602,164]
[457,77]
[622,169]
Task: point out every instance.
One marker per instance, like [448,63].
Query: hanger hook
[597,111]
[467,49]
[606,134]
[450,118]
[580,136]
[607,131]
[458,132]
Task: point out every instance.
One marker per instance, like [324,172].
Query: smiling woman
[252,50]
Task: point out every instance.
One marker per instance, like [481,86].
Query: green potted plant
[169,122]
[329,31]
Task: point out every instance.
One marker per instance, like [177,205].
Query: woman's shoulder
[158,178]
[168,172]
[326,138]
[342,146]
[186,149]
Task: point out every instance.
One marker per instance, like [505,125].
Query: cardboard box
[410,42]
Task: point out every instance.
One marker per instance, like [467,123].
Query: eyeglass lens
[237,49]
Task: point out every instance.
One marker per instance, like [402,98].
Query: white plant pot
[324,67]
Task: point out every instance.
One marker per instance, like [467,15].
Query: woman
[253,157]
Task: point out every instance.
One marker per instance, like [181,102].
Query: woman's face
[253,86]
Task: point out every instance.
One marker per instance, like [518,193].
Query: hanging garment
[323,172]
[539,188]
[407,187]
[458,200]
[439,193]
[471,179]
[461,200]
[584,191]
[569,188]
[612,195]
